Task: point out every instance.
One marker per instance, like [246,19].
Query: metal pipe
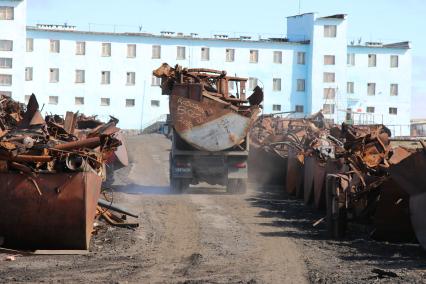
[86,143]
[108,205]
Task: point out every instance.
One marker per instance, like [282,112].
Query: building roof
[337,16]
[164,35]
[300,15]
[400,45]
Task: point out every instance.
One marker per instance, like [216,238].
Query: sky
[371,20]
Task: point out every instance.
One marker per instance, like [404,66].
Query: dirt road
[208,236]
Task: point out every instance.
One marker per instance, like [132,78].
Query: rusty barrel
[51,211]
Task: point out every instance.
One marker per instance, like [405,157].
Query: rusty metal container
[51,211]
[207,124]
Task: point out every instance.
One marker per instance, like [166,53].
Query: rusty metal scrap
[51,172]
[204,113]
[356,172]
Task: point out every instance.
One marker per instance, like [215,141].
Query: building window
[155,103]
[6,93]
[330,30]
[30,45]
[5,63]
[394,89]
[329,60]
[329,77]
[351,59]
[131,78]
[370,109]
[254,56]
[328,108]
[180,53]
[300,85]
[131,50]
[276,107]
[276,84]
[55,46]
[28,73]
[278,57]
[130,102]
[252,83]
[106,49]
[230,55]
[105,77]
[371,60]
[329,93]
[156,51]
[6,45]
[105,101]
[299,108]
[53,100]
[5,80]
[155,81]
[80,48]
[80,76]
[350,87]
[301,58]
[393,110]
[205,53]
[6,13]
[53,75]
[394,61]
[79,100]
[371,89]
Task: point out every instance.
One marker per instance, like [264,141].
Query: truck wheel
[236,186]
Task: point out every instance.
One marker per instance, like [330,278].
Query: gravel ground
[209,236]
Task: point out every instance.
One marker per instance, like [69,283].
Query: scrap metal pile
[203,110]
[357,173]
[51,171]
[31,144]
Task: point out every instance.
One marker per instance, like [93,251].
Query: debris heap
[51,175]
[204,111]
[358,173]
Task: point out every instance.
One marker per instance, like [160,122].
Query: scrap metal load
[203,112]
[50,179]
[357,173]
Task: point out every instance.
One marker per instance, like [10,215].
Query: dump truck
[210,126]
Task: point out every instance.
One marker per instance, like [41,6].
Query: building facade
[314,68]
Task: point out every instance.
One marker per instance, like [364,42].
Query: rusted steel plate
[294,172]
[319,184]
[121,152]
[409,174]
[391,218]
[207,124]
[308,180]
[60,218]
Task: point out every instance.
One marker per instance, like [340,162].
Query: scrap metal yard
[209,236]
[217,194]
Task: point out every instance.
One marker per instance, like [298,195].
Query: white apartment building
[313,68]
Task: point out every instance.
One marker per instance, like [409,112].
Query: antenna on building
[299,7]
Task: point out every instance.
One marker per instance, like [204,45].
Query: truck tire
[236,186]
